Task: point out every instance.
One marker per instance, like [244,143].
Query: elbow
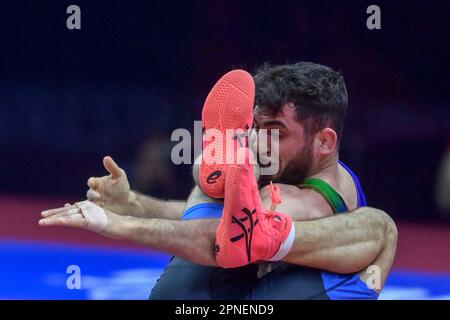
[384,232]
[390,229]
[390,232]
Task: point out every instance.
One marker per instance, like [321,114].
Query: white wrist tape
[95,215]
[285,246]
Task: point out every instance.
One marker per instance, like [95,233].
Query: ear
[327,140]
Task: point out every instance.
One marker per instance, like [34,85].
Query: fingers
[68,213]
[98,183]
[112,167]
[67,208]
[92,183]
[93,195]
[75,220]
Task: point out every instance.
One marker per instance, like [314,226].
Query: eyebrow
[274,123]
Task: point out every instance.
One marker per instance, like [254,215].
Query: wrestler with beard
[331,254]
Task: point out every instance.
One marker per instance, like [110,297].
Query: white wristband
[95,215]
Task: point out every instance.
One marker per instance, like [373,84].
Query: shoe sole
[229,105]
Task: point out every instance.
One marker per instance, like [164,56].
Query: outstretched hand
[83,215]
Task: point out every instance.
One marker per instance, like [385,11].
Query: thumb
[112,167]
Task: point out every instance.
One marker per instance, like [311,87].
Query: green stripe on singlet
[333,198]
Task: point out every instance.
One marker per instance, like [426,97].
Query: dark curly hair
[317,91]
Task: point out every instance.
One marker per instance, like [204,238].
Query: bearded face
[294,171]
[294,145]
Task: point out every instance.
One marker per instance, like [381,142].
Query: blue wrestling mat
[33,270]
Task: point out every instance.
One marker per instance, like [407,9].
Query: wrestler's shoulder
[294,192]
[308,203]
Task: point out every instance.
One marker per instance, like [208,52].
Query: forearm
[144,206]
[189,239]
[343,243]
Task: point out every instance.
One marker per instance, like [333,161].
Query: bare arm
[149,207]
[346,243]
[343,244]
[190,239]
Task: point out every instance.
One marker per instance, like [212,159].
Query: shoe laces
[275,196]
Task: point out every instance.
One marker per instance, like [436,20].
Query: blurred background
[137,70]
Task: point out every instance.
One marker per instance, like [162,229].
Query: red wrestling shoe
[229,106]
[247,233]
